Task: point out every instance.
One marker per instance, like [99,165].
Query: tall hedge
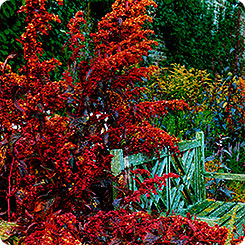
[201,34]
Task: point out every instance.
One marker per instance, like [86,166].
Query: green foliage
[229,157]
[11,28]
[217,108]
[227,106]
[5,228]
[238,189]
[187,28]
[192,38]
[177,82]
[235,156]
[96,9]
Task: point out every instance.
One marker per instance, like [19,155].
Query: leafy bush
[227,107]
[201,34]
[216,107]
[177,82]
[57,128]
[11,29]
[190,85]
[237,188]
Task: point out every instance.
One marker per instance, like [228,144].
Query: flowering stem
[9,189]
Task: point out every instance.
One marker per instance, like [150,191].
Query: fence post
[117,165]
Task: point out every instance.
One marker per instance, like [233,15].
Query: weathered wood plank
[178,196]
[241,216]
[225,176]
[198,207]
[185,156]
[189,188]
[190,144]
[177,200]
[209,209]
[188,165]
[220,211]
[240,228]
[188,191]
[210,221]
[224,220]
[240,221]
[117,164]
[140,158]
[161,168]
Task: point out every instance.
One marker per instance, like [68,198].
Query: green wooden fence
[180,192]
[186,193]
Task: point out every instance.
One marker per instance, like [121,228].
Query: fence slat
[225,176]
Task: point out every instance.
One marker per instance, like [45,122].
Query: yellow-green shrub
[217,103]
[177,82]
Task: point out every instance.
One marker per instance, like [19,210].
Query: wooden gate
[180,192]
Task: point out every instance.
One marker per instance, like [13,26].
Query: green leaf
[3,37]
[4,52]
[6,31]
[5,10]
[169,1]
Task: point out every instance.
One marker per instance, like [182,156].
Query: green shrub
[202,35]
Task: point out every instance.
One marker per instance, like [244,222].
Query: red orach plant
[56,135]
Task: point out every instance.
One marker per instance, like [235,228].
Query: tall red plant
[56,135]
[109,83]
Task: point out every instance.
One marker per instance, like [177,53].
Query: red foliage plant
[56,135]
